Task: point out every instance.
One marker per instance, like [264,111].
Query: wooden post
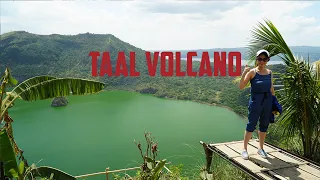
[208,156]
[107,176]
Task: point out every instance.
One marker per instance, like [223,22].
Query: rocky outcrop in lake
[59,101]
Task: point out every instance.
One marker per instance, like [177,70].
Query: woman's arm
[245,77]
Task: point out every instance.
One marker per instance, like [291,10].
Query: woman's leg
[253,116]
[262,137]
[264,124]
[247,137]
[253,120]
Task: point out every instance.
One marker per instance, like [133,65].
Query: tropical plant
[301,92]
[36,88]
[150,168]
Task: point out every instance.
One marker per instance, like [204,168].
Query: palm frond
[268,37]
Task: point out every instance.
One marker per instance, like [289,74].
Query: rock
[59,101]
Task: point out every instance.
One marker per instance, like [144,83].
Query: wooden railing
[107,172]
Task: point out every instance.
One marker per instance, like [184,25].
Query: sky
[166,25]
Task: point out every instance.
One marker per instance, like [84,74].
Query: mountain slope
[32,54]
[61,55]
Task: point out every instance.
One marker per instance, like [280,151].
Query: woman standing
[260,103]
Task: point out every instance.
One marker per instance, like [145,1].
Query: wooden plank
[264,176]
[292,155]
[266,148]
[302,164]
[270,162]
[252,150]
[255,159]
[286,158]
[272,176]
[311,170]
[238,147]
[248,164]
[294,161]
[296,173]
[277,175]
[225,143]
[229,152]
[282,167]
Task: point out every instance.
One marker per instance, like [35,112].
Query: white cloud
[165,25]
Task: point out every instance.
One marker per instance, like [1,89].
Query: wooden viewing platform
[280,164]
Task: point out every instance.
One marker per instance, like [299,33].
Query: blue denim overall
[260,103]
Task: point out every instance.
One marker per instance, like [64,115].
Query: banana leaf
[46,87]
[48,172]
[7,156]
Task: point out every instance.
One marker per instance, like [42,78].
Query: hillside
[68,55]
[32,54]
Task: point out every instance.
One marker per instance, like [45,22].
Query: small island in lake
[59,101]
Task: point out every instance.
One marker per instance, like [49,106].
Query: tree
[36,88]
[301,92]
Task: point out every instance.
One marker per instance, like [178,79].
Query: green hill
[68,55]
[32,54]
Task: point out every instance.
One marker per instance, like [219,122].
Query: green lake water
[98,131]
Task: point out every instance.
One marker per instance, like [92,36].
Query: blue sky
[166,24]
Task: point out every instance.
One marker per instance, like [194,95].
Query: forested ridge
[30,55]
